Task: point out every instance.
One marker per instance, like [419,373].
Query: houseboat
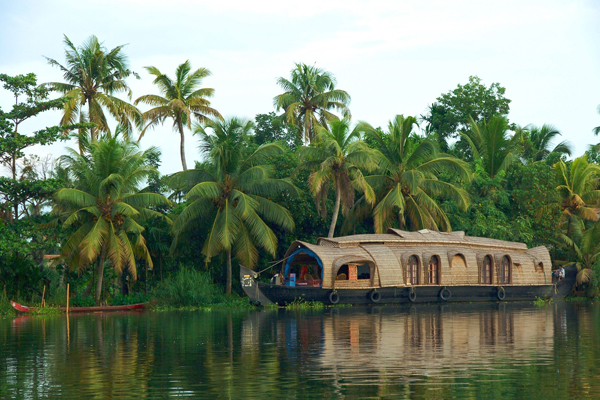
[409,267]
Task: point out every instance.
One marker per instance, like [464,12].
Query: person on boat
[561,273]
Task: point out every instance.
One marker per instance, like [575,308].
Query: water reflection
[492,351]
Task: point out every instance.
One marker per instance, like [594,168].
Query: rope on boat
[271,266]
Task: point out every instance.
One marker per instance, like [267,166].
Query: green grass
[541,302]
[5,307]
[301,304]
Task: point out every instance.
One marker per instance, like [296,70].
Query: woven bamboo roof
[423,236]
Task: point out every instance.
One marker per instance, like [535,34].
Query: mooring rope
[271,266]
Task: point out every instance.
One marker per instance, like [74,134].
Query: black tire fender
[501,293]
[412,295]
[375,296]
[445,294]
[334,297]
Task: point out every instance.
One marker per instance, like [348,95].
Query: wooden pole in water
[67,298]
[44,297]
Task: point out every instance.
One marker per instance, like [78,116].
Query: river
[428,352]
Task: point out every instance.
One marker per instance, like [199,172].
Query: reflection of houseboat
[402,267]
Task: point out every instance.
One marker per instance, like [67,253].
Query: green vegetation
[541,302]
[262,184]
[300,304]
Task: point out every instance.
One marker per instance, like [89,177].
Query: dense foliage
[264,183]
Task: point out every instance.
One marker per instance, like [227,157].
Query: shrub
[188,288]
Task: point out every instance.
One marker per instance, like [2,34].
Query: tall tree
[538,143]
[105,208]
[94,75]
[308,99]
[450,114]
[491,144]
[181,100]
[229,194]
[338,157]
[30,101]
[408,184]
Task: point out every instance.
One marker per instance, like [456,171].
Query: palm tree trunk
[100,276]
[93,131]
[336,209]
[228,290]
[182,145]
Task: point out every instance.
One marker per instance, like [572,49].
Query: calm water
[431,352]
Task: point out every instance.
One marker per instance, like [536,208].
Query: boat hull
[129,307]
[398,295]
[267,293]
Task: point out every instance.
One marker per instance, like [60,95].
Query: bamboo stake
[67,298]
[44,297]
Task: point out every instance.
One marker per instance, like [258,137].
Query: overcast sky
[393,57]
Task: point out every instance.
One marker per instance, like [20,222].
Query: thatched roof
[425,236]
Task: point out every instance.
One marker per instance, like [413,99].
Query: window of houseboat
[353,272]
[433,271]
[505,270]
[539,268]
[486,270]
[413,270]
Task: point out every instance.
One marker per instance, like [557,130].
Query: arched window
[539,268]
[413,270]
[486,270]
[433,271]
[505,271]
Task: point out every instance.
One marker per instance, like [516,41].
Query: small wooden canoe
[140,306]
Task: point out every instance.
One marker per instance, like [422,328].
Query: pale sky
[393,57]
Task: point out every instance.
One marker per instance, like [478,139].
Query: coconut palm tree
[338,157]
[182,100]
[308,99]
[229,194]
[491,144]
[578,189]
[407,182]
[538,142]
[104,210]
[586,246]
[94,75]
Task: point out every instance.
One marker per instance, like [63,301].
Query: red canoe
[128,307]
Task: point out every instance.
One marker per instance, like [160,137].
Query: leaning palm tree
[578,189]
[538,142]
[491,144]
[407,182]
[308,99]
[94,75]
[229,194]
[338,157]
[105,208]
[181,100]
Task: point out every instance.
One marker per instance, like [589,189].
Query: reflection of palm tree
[338,156]
[491,145]
[309,97]
[93,76]
[229,194]
[538,142]
[105,208]
[408,184]
[182,100]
